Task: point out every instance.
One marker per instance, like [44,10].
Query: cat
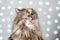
[26,25]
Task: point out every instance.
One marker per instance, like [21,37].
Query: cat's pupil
[31,14]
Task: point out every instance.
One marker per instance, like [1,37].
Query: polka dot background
[48,12]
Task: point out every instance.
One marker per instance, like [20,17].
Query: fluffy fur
[24,28]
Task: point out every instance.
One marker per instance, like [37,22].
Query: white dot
[9,26]
[3,7]
[59,2]
[1,14]
[40,3]
[49,22]
[47,3]
[55,32]
[44,13]
[39,9]
[1,31]
[57,8]
[11,2]
[46,35]
[30,2]
[1,38]
[3,20]
[9,7]
[50,9]
[58,14]
[20,2]
[11,13]
[48,29]
[0,1]
[57,39]
[58,27]
[8,19]
[56,20]
[48,16]
[9,30]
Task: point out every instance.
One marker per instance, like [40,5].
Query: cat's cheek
[20,22]
[18,32]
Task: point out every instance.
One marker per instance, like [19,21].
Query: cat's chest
[29,24]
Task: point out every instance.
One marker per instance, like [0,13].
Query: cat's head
[27,13]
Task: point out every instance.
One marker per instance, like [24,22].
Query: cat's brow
[23,9]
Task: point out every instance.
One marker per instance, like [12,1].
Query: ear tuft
[17,10]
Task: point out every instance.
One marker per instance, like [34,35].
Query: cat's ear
[17,10]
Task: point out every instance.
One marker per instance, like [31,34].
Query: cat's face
[27,13]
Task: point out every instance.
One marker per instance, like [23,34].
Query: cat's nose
[29,15]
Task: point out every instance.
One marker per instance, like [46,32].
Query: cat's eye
[23,9]
[31,14]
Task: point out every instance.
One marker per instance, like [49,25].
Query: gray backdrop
[48,12]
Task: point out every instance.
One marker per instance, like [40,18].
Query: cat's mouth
[30,18]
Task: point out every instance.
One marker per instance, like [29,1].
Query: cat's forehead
[29,10]
[25,11]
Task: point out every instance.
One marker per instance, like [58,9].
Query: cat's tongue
[30,18]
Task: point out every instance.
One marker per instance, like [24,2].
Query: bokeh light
[48,12]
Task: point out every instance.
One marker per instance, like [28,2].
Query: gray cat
[26,25]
